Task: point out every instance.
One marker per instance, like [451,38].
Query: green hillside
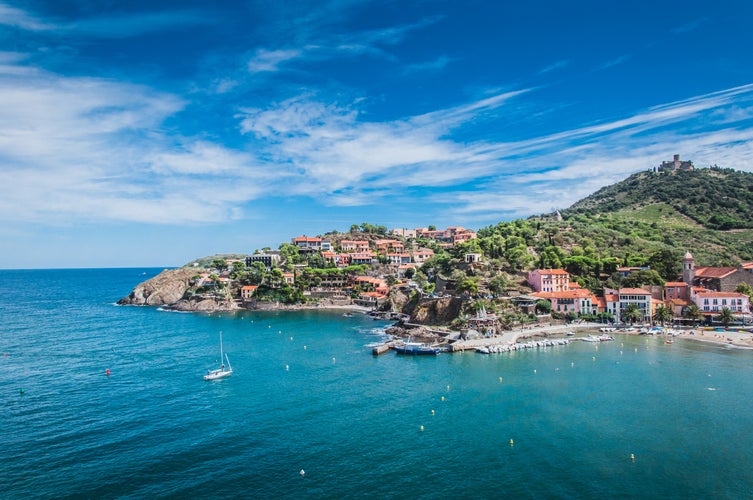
[714,198]
[649,218]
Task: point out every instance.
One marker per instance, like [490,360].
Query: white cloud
[12,16]
[94,149]
[116,26]
[563,63]
[270,60]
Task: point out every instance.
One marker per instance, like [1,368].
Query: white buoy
[302,473]
[534,371]
[632,457]
[448,387]
[512,443]
[333,359]
[432,412]
[304,348]
[572,364]
[287,367]
[422,428]
[442,398]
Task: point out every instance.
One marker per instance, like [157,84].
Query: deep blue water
[307,394]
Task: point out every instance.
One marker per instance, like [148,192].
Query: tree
[631,314]
[746,289]
[219,264]
[239,270]
[410,272]
[469,285]
[692,312]
[543,306]
[662,314]
[666,263]
[498,284]
[644,277]
[726,316]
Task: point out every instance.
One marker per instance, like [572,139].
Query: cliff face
[433,312]
[166,288]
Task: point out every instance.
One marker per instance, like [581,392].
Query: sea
[309,412]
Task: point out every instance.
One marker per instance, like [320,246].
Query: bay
[306,393]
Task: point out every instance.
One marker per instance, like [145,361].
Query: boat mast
[221,355]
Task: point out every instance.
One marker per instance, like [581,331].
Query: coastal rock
[167,288]
[436,311]
[204,305]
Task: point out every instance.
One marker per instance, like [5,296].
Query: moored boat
[416,348]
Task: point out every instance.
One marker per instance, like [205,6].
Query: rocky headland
[168,290]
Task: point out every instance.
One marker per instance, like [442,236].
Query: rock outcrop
[204,305]
[432,312]
[165,289]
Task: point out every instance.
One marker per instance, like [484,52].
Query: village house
[362,258]
[386,246]
[451,236]
[306,244]
[549,280]
[472,258]
[676,290]
[422,255]
[639,297]
[339,259]
[712,302]
[248,291]
[397,259]
[577,301]
[357,246]
[405,233]
[269,259]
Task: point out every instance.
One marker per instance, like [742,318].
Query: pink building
[711,302]
[578,301]
[357,246]
[549,280]
[422,255]
[674,290]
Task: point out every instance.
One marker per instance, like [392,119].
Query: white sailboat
[223,371]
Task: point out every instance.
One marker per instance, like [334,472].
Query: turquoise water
[307,394]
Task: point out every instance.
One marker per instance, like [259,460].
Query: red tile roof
[714,272]
[634,291]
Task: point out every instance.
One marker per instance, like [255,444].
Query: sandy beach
[732,338]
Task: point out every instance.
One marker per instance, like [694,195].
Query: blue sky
[138,133]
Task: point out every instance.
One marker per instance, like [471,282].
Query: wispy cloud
[96,149]
[437,64]
[12,16]
[561,64]
[111,26]
[271,60]
[615,62]
[688,27]
[319,47]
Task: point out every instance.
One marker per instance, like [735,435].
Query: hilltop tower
[688,269]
